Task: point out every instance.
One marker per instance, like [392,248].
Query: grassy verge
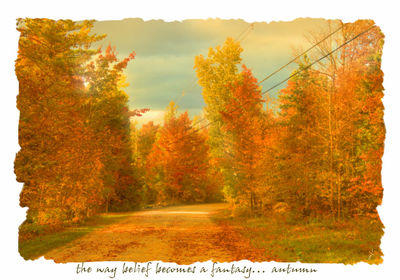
[345,242]
[38,246]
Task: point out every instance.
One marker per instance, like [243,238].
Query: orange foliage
[178,163]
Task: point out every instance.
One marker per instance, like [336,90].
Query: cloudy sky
[163,68]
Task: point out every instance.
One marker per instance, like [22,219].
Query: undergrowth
[313,241]
[35,240]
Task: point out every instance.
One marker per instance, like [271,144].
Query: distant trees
[173,161]
[143,140]
[178,164]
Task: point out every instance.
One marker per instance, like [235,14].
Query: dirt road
[183,234]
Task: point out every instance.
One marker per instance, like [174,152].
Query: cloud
[165,52]
[156,116]
[156,80]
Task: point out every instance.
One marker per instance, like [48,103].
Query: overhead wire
[300,55]
[291,61]
[321,58]
[286,79]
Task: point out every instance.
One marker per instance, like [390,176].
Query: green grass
[346,242]
[38,246]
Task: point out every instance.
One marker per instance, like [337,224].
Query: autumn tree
[304,154]
[361,126]
[108,116]
[243,118]
[143,141]
[238,127]
[178,163]
[216,73]
[54,163]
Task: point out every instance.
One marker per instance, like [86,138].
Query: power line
[321,58]
[246,32]
[281,82]
[291,61]
[300,55]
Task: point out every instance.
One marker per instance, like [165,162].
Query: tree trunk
[331,148]
[107,202]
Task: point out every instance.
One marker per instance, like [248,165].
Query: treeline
[314,152]
[333,131]
[74,131]
[316,155]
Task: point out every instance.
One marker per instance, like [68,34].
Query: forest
[313,152]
